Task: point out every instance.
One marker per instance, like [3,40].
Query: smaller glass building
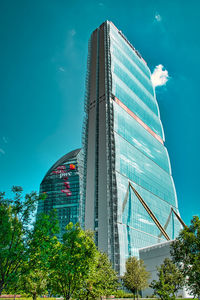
[62,185]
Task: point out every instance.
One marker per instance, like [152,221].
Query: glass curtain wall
[123,143]
[140,155]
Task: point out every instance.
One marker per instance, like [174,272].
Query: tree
[170,280]
[34,283]
[73,261]
[43,240]
[15,219]
[136,277]
[185,252]
[102,280]
[41,245]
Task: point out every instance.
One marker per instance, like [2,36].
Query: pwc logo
[64,172]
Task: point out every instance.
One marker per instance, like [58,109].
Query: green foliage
[170,280]
[186,254]
[123,294]
[15,220]
[34,283]
[23,297]
[72,262]
[42,241]
[102,280]
[41,245]
[136,277]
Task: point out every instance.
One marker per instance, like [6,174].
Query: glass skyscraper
[62,186]
[129,195]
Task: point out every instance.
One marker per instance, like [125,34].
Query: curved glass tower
[130,197]
[62,185]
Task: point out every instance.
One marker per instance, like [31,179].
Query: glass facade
[123,120]
[62,185]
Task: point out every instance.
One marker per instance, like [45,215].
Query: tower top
[123,36]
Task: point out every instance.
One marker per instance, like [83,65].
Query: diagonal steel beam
[125,199]
[151,214]
[167,223]
[179,218]
[168,219]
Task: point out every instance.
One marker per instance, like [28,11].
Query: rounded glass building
[61,184]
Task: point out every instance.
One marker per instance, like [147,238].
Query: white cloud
[158,17]
[72,32]
[5,139]
[2,151]
[61,69]
[159,76]
[70,41]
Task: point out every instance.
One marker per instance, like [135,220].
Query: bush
[123,294]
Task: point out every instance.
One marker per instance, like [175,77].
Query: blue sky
[42,82]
